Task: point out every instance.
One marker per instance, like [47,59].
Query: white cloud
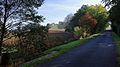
[56,10]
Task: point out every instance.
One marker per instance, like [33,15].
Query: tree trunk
[2,37]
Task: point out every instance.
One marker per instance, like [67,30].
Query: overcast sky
[56,10]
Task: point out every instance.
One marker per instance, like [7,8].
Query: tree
[75,20]
[88,23]
[110,2]
[53,26]
[68,19]
[97,11]
[114,14]
[31,40]
[13,11]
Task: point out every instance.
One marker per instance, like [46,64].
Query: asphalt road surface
[97,52]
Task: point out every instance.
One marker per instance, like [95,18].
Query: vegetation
[57,51]
[52,26]
[114,18]
[23,38]
[117,40]
[31,41]
[14,14]
[97,15]
[61,24]
[58,37]
[114,14]
[87,24]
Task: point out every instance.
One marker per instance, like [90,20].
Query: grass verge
[117,40]
[57,51]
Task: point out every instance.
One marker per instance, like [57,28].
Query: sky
[56,10]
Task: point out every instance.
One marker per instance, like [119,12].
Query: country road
[97,52]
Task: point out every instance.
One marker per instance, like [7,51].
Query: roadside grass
[117,40]
[57,51]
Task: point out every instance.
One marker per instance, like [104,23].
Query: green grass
[57,51]
[117,40]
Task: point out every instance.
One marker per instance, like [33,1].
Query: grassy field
[58,37]
[57,51]
[117,40]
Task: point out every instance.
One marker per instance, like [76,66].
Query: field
[58,37]
[55,38]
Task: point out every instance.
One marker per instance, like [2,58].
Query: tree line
[88,20]
[114,6]
[20,21]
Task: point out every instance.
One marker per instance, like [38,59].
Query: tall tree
[67,20]
[97,11]
[31,40]
[88,23]
[13,11]
[114,14]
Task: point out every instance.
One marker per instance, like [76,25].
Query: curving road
[97,52]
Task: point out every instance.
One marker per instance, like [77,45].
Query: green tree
[32,41]
[97,11]
[13,11]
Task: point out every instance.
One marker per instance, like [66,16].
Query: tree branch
[15,10]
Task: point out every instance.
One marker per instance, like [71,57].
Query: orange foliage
[88,19]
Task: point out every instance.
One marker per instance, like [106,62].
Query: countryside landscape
[59,33]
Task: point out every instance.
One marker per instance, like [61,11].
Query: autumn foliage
[88,19]
[87,24]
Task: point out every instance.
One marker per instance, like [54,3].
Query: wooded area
[23,38]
